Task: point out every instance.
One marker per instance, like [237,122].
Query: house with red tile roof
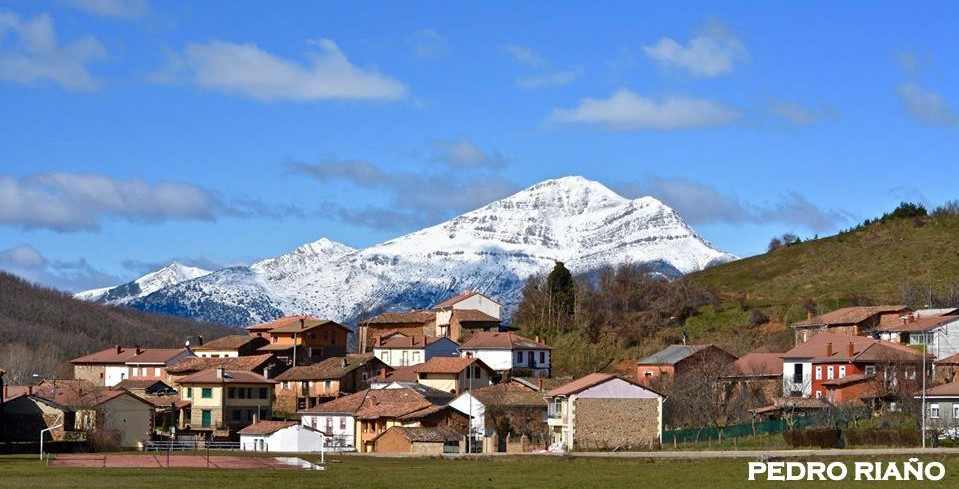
[454,374]
[938,333]
[305,386]
[411,324]
[851,321]
[604,412]
[437,440]
[222,401]
[521,408]
[942,410]
[264,364]
[661,370]
[306,340]
[507,351]
[755,377]
[399,350]
[354,421]
[109,367]
[820,367]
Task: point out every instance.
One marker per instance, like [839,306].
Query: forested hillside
[42,329]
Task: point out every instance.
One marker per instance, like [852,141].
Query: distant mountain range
[493,249]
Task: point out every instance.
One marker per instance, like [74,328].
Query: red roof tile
[850,315]
[473,316]
[266,427]
[195,364]
[437,434]
[212,376]
[403,317]
[278,322]
[920,324]
[757,364]
[459,298]
[329,369]
[501,341]
[398,374]
[448,365]
[580,384]
[230,342]
[864,348]
[129,355]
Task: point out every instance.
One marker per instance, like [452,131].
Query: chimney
[829,349]
[343,362]
[912,318]
[809,316]
[256,416]
[850,350]
[119,350]
[303,323]
[139,350]
[219,373]
[383,373]
[199,340]
[537,338]
[29,390]
[379,341]
[540,385]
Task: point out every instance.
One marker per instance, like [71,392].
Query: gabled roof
[757,364]
[460,298]
[141,384]
[266,427]
[375,403]
[212,376]
[473,316]
[402,317]
[864,349]
[491,396]
[581,384]
[398,374]
[306,325]
[491,340]
[672,354]
[439,434]
[945,390]
[448,365]
[195,364]
[80,394]
[129,355]
[329,369]
[283,321]
[230,342]
[950,360]
[913,324]
[849,315]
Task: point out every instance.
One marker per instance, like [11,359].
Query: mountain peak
[323,246]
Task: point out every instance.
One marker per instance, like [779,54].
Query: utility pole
[923,409]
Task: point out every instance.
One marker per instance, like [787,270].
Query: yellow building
[224,400]
[454,374]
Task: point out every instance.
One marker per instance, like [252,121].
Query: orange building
[302,340]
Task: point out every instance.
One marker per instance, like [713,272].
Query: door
[206,418]
[529,358]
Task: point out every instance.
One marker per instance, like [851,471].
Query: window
[477,373]
[156,371]
[236,415]
[647,374]
[329,424]
[910,373]
[416,357]
[327,385]
[797,373]
[870,370]
[818,394]
[842,371]
[189,393]
[263,393]
[519,357]
[207,393]
[343,421]
[955,411]
[101,375]
[285,385]
[830,373]
[934,411]
[230,393]
[818,372]
[542,358]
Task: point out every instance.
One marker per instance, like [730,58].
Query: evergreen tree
[562,294]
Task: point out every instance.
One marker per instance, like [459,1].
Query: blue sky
[138,132]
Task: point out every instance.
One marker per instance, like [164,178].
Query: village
[454,380]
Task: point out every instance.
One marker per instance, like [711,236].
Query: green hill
[913,261]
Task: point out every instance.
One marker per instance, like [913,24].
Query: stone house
[307,340]
[850,321]
[305,386]
[755,377]
[661,370]
[420,440]
[605,412]
[109,367]
[411,324]
[504,410]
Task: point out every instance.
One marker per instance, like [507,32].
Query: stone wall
[607,424]
[391,442]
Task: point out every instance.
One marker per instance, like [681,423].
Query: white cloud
[72,202]
[552,79]
[121,9]
[797,114]
[625,110]
[926,106]
[525,56]
[26,262]
[429,44]
[712,53]
[36,54]
[246,69]
[464,154]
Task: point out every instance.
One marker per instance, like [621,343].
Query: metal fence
[759,428]
[187,445]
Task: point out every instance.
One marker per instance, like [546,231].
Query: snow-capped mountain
[171,274]
[492,249]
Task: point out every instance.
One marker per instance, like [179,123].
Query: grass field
[355,472]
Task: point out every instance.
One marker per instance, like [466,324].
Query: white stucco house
[939,334]
[336,419]
[399,350]
[281,436]
[507,351]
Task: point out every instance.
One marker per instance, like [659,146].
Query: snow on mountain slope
[171,274]
[492,249]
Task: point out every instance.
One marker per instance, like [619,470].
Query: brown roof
[448,365]
[331,368]
[398,374]
[850,315]
[848,380]
[139,383]
[266,427]
[230,342]
[793,403]
[129,355]
[399,341]
[501,341]
[195,364]
[918,324]
[458,298]
[308,324]
[757,364]
[405,317]
[473,316]
[580,384]
[945,390]
[212,376]
[439,434]
[950,360]
[79,394]
[278,322]
[533,383]
[864,349]
[491,396]
[376,403]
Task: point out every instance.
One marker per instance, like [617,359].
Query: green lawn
[500,473]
